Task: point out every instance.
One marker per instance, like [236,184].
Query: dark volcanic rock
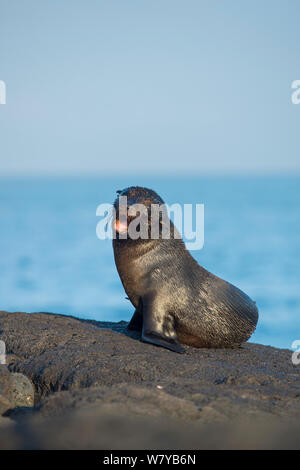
[105,378]
[16,390]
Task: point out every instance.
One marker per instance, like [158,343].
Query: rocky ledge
[80,384]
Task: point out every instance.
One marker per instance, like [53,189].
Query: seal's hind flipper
[159,325]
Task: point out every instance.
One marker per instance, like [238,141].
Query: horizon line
[146,174]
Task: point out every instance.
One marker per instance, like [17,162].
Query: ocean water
[52,261]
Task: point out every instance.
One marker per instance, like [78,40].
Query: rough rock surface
[16,390]
[98,386]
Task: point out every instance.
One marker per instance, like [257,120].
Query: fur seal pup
[176,300]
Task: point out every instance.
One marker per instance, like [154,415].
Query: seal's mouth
[121,227]
[122,222]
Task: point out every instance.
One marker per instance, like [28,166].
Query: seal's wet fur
[176,300]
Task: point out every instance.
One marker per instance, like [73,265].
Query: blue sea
[51,259]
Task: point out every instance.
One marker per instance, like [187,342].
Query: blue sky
[149,86]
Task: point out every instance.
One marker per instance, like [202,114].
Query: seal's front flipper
[158,327]
[136,322]
[159,340]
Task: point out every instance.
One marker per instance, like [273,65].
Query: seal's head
[138,194]
[133,208]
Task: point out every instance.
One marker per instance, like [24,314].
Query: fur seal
[176,300]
